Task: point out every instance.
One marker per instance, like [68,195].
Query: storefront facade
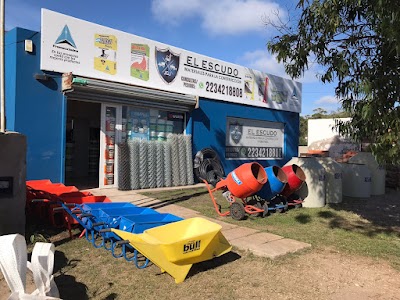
[84,89]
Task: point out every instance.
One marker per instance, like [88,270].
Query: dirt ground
[321,275]
[318,273]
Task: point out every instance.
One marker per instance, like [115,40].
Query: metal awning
[94,90]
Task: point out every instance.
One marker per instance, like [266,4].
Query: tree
[303,131]
[319,113]
[357,43]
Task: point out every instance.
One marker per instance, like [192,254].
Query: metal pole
[2,92]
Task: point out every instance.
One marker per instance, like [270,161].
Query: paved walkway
[259,243]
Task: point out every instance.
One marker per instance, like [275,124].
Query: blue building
[78,89]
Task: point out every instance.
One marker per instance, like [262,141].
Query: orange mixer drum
[245,180]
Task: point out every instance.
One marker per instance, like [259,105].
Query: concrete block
[176,210]
[225,225]
[238,232]
[278,248]
[251,241]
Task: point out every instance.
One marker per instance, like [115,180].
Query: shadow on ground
[382,214]
[67,285]
[378,214]
[176,199]
[214,263]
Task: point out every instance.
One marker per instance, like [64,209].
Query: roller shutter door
[112,92]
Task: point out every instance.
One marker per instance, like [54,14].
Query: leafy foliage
[357,43]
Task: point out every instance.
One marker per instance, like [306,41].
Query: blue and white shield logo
[167,64]
[236,131]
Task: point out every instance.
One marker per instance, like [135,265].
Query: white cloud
[234,17]
[219,17]
[263,61]
[173,12]
[327,100]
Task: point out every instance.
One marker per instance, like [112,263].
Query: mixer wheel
[237,211]
[265,208]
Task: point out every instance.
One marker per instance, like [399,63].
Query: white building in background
[321,129]
[322,135]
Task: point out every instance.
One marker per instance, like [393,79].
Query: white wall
[320,129]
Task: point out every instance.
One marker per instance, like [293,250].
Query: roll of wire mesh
[160,164]
[167,164]
[143,164]
[151,164]
[207,166]
[124,167]
[173,139]
[189,160]
[203,154]
[182,160]
[134,153]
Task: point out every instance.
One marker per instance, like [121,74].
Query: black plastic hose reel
[207,166]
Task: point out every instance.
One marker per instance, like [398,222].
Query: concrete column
[12,167]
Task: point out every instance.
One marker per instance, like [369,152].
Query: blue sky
[230,30]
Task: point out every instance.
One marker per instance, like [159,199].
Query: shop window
[150,124]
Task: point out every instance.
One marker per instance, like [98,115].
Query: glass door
[110,137]
[120,123]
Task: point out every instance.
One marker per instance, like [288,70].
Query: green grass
[336,227]
[339,235]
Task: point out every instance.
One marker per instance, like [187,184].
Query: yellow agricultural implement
[175,247]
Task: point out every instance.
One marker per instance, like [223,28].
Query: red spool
[245,180]
[296,178]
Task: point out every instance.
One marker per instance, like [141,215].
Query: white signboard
[95,51]
[253,139]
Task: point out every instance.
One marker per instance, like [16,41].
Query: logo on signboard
[64,49]
[167,64]
[65,37]
[294,95]
[236,132]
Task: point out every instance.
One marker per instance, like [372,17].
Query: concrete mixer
[243,182]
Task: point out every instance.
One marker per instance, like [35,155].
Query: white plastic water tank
[313,190]
[378,172]
[356,180]
[333,190]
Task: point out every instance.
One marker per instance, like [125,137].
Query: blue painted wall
[35,108]
[207,124]
[38,110]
